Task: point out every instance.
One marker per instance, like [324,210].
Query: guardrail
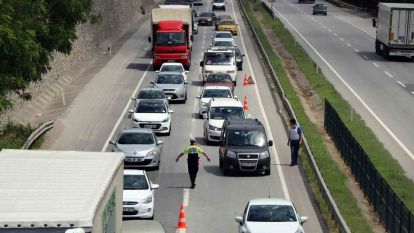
[343,227]
[37,133]
[341,3]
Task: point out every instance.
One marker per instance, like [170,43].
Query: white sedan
[212,92]
[270,215]
[138,195]
[173,67]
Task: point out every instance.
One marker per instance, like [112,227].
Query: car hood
[151,117]
[136,195]
[168,86]
[272,227]
[216,123]
[135,150]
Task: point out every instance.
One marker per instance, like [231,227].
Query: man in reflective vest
[192,151]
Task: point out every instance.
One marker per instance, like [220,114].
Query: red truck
[172,35]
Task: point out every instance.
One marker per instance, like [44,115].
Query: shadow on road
[138,66]
[372,56]
[197,83]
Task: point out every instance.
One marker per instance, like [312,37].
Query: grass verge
[334,177]
[13,136]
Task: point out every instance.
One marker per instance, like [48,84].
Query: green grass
[387,166]
[334,177]
[13,136]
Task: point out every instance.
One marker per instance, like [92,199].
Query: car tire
[220,163]
[169,131]
[267,172]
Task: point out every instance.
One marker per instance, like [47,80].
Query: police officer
[192,152]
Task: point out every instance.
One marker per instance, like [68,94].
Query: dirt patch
[314,108]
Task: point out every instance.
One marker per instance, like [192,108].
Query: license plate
[150,126]
[248,164]
[128,209]
[134,159]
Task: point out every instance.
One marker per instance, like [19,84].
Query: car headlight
[264,155]
[147,200]
[231,71]
[231,154]
[152,153]
[299,230]
[210,127]
[208,19]
[166,120]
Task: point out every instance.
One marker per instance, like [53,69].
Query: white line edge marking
[349,88]
[389,75]
[275,154]
[356,50]
[401,84]
[186,197]
[375,64]
[125,109]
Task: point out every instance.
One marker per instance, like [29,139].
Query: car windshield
[228,22]
[218,1]
[169,79]
[222,44]
[136,138]
[172,68]
[216,58]
[224,17]
[151,107]
[224,35]
[320,7]
[217,78]
[217,93]
[246,138]
[271,213]
[170,38]
[135,182]
[221,113]
[151,95]
[206,14]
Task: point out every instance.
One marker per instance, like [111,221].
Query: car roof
[134,172]
[270,201]
[137,130]
[224,16]
[151,89]
[217,87]
[243,124]
[225,102]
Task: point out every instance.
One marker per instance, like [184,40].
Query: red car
[220,79]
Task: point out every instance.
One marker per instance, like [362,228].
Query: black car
[244,147]
[320,9]
[206,18]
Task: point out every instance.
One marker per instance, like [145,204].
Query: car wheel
[220,163]
[169,131]
[267,172]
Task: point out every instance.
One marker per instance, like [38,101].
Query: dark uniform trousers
[192,162]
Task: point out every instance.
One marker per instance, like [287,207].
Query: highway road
[101,110]
[382,91]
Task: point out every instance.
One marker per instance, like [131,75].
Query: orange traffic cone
[245,82]
[245,106]
[181,219]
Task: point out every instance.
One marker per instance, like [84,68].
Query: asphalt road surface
[382,91]
[101,110]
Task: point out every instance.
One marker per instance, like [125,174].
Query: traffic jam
[242,142]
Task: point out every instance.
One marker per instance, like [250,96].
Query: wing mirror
[131,111]
[149,39]
[157,71]
[170,111]
[239,219]
[198,97]
[243,55]
[236,97]
[248,116]
[270,143]
[186,71]
[112,142]
[235,45]
[155,186]
[185,82]
[160,142]
[133,98]
[152,83]
[303,219]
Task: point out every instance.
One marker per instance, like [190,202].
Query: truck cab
[244,147]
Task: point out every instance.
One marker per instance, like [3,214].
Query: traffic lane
[366,79]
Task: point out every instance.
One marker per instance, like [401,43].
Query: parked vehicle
[138,195]
[218,5]
[173,84]
[173,67]
[219,110]
[152,114]
[244,147]
[228,25]
[210,92]
[150,93]
[172,35]
[270,215]
[219,79]
[395,30]
[320,9]
[219,18]
[219,61]
[140,146]
[142,226]
[206,18]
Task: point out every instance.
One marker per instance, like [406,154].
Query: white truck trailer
[60,191]
[395,30]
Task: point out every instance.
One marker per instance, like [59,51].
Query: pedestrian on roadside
[192,151]
[295,138]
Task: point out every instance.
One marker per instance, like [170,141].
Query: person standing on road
[295,138]
[192,152]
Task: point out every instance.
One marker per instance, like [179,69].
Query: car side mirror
[131,111]
[170,111]
[155,186]
[202,63]
[157,71]
[236,97]
[160,142]
[191,38]
[248,116]
[243,55]
[239,219]
[210,45]
[112,142]
[235,45]
[133,98]
[270,143]
[186,71]
[303,219]
[198,97]
[185,83]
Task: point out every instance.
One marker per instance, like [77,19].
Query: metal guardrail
[341,3]
[37,133]
[343,227]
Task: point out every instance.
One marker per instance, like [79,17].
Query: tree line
[30,30]
[371,5]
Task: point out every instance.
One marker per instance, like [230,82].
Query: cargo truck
[172,35]
[395,30]
[60,192]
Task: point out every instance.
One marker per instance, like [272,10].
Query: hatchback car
[218,5]
[320,9]
[173,84]
[228,25]
[150,93]
[173,67]
[140,146]
[138,195]
[206,18]
[270,215]
[219,79]
[219,18]
[152,114]
[212,92]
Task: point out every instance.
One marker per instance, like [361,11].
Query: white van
[219,61]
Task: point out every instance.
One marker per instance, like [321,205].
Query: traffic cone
[245,82]
[181,219]
[245,106]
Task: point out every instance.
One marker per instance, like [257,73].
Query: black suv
[244,147]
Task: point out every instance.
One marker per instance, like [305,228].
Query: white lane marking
[342,39]
[388,74]
[329,30]
[372,35]
[356,50]
[259,98]
[406,150]
[324,26]
[365,56]
[412,92]
[125,109]
[186,197]
[335,34]
[349,45]
[375,64]
[401,84]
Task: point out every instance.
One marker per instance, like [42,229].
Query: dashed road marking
[388,74]
[401,84]
[365,56]
[335,34]
[186,197]
[349,45]
[356,50]
[375,64]
[342,39]
[329,30]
